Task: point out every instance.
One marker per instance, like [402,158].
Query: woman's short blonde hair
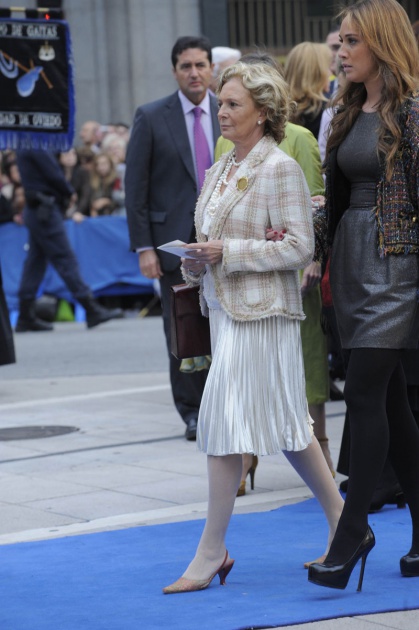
[268,90]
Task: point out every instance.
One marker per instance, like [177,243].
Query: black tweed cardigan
[397,200]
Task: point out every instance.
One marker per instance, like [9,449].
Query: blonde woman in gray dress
[254,400]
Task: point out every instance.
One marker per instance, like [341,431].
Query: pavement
[90,441]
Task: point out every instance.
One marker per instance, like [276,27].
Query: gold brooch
[242,183]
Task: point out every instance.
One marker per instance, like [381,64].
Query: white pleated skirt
[254,399]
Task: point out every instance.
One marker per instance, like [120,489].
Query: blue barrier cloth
[102,249]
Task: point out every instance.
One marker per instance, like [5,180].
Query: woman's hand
[209,253]
[275,235]
[192,266]
[312,275]
[317,202]
[78,217]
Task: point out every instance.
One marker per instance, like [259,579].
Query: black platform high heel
[337,575]
[409,565]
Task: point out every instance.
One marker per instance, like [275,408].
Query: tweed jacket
[259,278]
[397,200]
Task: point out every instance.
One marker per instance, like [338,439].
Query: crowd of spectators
[12,196]
[95,167]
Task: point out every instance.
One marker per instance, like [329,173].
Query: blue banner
[36,85]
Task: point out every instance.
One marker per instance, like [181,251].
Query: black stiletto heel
[252,471]
[337,575]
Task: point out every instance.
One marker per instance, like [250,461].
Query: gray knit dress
[374,298]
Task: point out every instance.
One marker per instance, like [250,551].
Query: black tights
[381,423]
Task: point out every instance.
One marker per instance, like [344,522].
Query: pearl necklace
[237,164]
[214,200]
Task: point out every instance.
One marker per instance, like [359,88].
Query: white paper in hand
[177,248]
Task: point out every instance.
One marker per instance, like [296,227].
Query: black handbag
[189,329]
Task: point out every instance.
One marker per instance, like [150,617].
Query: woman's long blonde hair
[386,30]
[307,69]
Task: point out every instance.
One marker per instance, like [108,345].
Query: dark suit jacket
[160,185]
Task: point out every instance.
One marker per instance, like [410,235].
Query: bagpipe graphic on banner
[36,85]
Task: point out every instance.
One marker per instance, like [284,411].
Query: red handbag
[189,329]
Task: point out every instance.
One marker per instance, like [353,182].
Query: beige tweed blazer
[259,278]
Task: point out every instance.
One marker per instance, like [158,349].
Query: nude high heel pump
[251,471]
[183,585]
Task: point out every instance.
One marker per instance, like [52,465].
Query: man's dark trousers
[48,243]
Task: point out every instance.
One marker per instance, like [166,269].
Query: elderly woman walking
[254,400]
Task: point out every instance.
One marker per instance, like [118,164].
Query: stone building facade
[122,47]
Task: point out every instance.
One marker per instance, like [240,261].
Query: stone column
[122,52]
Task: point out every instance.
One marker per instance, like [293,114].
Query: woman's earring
[259,122]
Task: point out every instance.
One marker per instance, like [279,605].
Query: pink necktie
[202,152]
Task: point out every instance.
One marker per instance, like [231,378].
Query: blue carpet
[113,580]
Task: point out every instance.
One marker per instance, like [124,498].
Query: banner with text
[36,85]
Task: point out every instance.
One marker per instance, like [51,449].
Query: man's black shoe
[101,315]
[28,320]
[191,426]
[96,313]
[32,325]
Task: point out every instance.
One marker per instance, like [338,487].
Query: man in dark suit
[47,194]
[162,182]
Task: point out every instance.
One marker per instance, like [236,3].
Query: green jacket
[300,144]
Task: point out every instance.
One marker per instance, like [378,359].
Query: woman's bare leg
[223,481]
[318,413]
[311,465]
